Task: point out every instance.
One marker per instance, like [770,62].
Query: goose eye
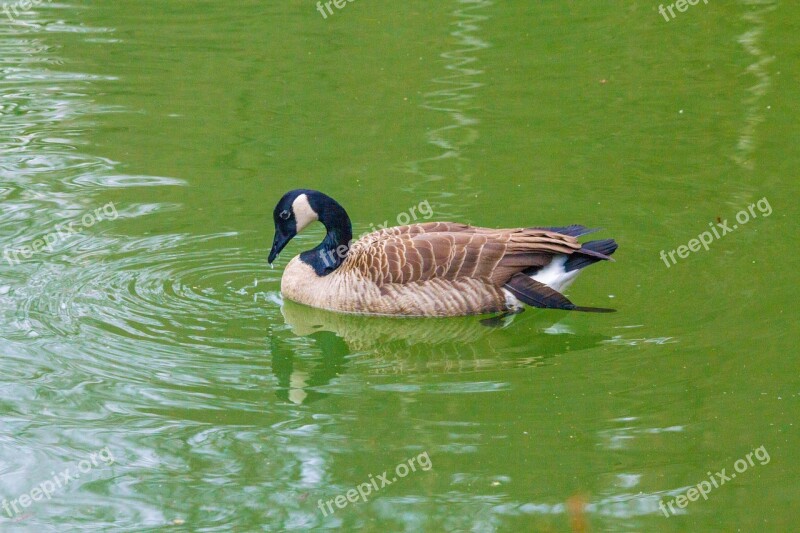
[285,215]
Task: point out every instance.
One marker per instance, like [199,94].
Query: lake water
[152,376]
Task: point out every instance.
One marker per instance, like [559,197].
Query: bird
[429,269]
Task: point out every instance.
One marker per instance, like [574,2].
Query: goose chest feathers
[429,269]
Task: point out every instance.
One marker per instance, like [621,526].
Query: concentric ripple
[177,290]
[167,293]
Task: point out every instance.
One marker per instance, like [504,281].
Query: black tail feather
[573,230]
[536,294]
[590,253]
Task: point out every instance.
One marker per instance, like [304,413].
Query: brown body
[432,269]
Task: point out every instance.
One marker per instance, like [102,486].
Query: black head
[299,208]
[292,214]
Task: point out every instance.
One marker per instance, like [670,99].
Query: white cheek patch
[303,213]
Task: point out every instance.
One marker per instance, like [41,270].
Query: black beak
[278,244]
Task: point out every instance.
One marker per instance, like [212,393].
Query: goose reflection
[386,346]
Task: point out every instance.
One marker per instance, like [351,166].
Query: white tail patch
[555,276]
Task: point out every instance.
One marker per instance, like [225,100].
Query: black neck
[331,252]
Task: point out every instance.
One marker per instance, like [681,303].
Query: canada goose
[429,269]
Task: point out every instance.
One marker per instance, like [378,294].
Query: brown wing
[449,251]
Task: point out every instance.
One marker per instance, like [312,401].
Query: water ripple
[164,289]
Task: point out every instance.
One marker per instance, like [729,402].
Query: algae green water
[152,378]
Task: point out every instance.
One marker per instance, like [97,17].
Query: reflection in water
[393,346]
[454,99]
[297,386]
[751,41]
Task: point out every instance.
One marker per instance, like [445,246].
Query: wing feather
[450,251]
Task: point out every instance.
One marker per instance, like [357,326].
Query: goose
[431,269]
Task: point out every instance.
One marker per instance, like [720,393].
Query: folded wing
[450,251]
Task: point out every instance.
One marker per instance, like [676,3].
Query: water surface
[153,335]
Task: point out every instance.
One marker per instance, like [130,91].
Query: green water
[156,339]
